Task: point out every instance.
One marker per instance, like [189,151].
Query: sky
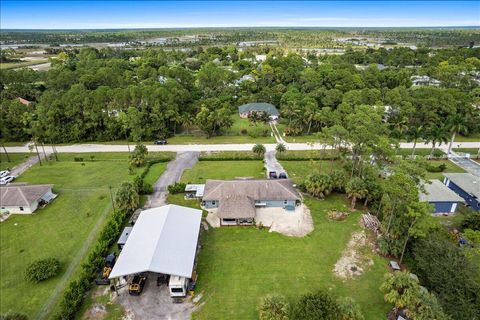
[186,14]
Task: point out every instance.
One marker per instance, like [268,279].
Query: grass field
[15,159]
[223,170]
[451,167]
[20,64]
[59,230]
[238,266]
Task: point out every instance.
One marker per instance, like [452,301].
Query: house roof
[22,195]
[163,240]
[259,106]
[436,191]
[281,189]
[236,206]
[467,181]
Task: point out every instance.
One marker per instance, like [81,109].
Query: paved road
[90,148]
[172,174]
[271,162]
[467,165]
[22,167]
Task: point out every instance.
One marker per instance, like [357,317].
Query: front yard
[65,229]
[237,266]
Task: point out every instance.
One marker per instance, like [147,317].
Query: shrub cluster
[177,187]
[228,156]
[439,168]
[292,155]
[13,316]
[42,269]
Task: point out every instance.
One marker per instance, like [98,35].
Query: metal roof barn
[163,240]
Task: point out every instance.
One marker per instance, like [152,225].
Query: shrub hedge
[228,156]
[42,269]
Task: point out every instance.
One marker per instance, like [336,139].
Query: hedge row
[294,155]
[228,156]
[74,294]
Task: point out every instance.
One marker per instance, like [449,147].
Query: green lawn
[451,167]
[471,138]
[59,230]
[298,170]
[155,172]
[238,266]
[223,170]
[20,64]
[15,159]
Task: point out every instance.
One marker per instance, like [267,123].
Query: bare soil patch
[353,261]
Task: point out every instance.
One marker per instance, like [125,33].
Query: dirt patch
[297,223]
[337,215]
[353,262]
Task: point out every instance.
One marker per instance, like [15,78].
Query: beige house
[25,199]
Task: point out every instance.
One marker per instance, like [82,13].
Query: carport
[163,241]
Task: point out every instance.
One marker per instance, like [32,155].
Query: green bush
[42,269]
[228,156]
[78,159]
[177,187]
[317,305]
[439,168]
[273,307]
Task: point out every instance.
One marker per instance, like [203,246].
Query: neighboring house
[237,200]
[194,191]
[245,109]
[443,199]
[247,77]
[25,199]
[467,186]
[422,81]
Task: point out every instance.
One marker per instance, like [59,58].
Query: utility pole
[111,198]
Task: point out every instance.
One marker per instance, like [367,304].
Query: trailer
[178,286]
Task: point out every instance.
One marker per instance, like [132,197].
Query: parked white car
[4,173]
[6,180]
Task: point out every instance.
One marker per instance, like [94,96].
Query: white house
[25,199]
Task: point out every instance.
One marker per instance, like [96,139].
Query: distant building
[25,199]
[247,77]
[443,199]
[467,186]
[424,81]
[246,109]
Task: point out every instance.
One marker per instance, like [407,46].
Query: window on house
[213,203]
[285,202]
[21,208]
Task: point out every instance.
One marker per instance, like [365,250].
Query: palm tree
[356,188]
[259,149]
[280,148]
[437,134]
[455,124]
[414,134]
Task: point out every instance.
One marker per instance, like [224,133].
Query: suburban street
[86,148]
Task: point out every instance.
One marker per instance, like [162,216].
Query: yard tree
[436,134]
[273,307]
[318,185]
[280,147]
[447,272]
[127,198]
[356,189]
[137,157]
[316,305]
[259,149]
[214,117]
[455,124]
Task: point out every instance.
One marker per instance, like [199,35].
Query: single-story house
[246,109]
[194,190]
[237,200]
[420,81]
[443,199]
[164,240]
[467,186]
[25,199]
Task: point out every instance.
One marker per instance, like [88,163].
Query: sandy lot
[352,263]
[296,223]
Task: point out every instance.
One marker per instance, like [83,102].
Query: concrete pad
[297,223]
[154,303]
[212,218]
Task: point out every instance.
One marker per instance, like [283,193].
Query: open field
[20,64]
[63,229]
[451,167]
[223,170]
[15,159]
[234,280]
